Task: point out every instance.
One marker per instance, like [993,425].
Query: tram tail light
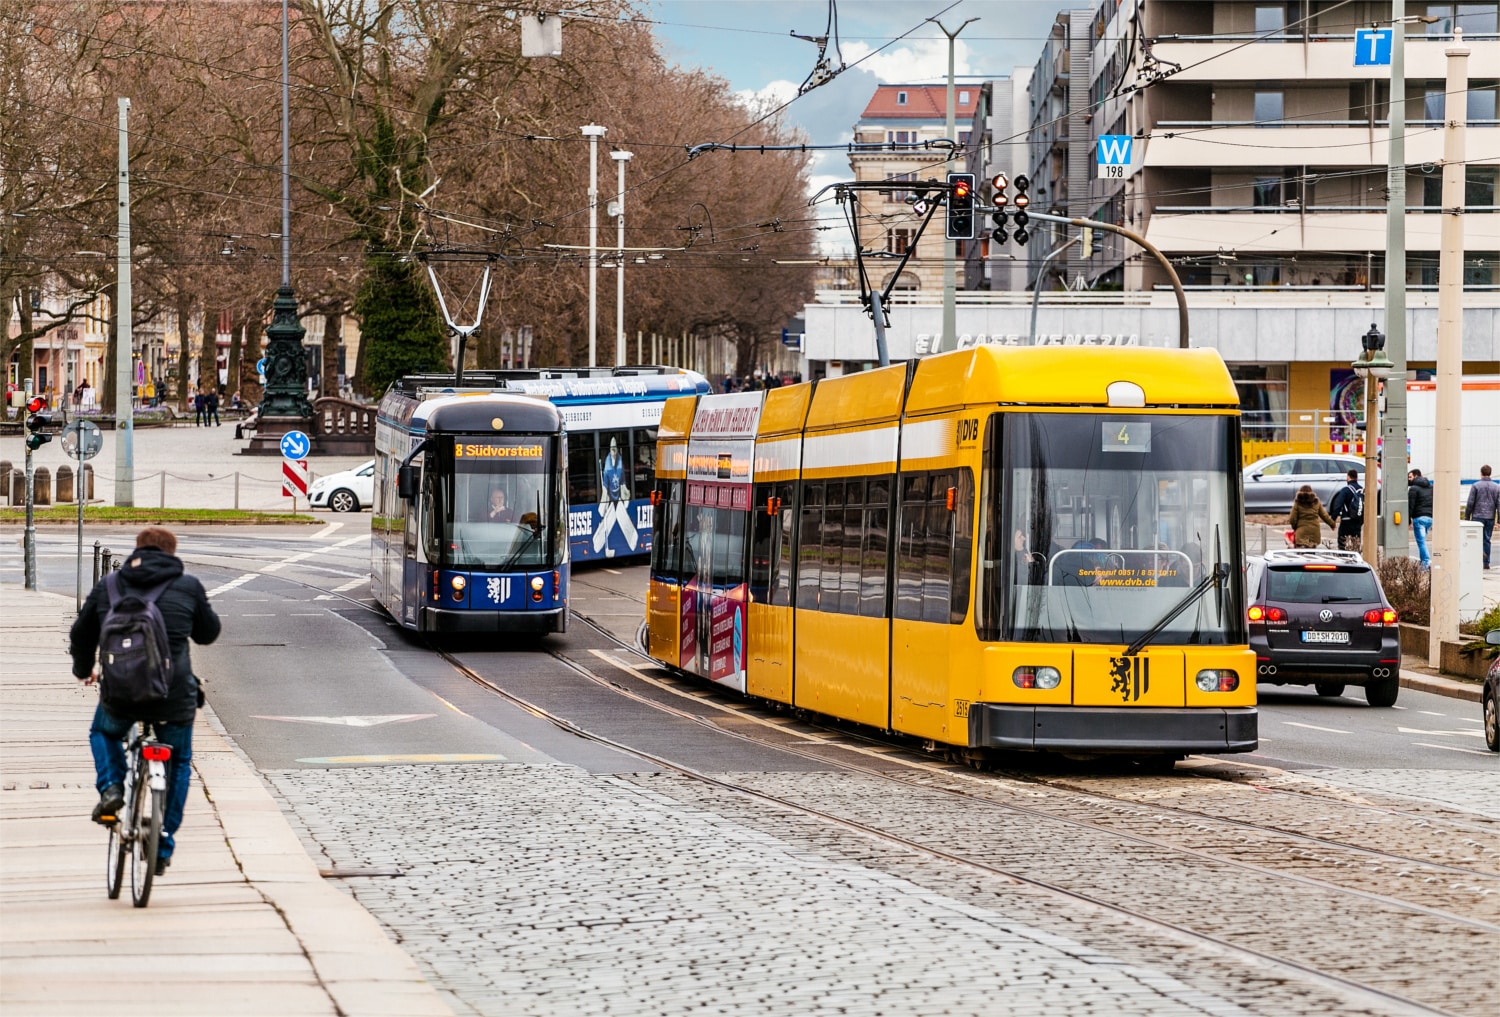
[1262,613]
[1380,616]
[556,583]
[773,506]
[1218,680]
[952,498]
[655,498]
[1036,677]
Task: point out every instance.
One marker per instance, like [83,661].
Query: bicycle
[137,829]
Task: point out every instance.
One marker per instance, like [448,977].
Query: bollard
[236,490]
[65,484]
[17,487]
[163,488]
[96,565]
[5,467]
[86,482]
[42,486]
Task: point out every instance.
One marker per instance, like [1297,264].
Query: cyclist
[184,608]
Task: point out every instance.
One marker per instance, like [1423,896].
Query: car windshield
[489,504]
[1302,585]
[1098,524]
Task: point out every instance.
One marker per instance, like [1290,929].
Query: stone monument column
[285,406]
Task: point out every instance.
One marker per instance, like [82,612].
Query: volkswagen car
[1319,617]
[348,491]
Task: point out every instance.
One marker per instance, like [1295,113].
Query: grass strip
[124,514]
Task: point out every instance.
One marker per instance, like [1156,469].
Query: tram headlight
[458,583]
[1218,680]
[1036,677]
[537,585]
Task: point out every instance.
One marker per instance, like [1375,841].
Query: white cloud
[921,60]
[769,97]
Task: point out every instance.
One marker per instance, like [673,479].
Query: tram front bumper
[437,619]
[1102,729]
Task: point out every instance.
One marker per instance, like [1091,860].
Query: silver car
[1272,483]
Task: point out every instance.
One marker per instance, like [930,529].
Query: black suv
[1319,618]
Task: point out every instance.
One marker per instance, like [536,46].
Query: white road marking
[1314,727]
[307,614]
[1418,730]
[232,584]
[369,720]
[327,531]
[351,584]
[1430,713]
[323,596]
[257,616]
[613,572]
[1398,708]
[1453,748]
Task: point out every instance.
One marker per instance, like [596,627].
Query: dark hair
[157,537]
[1484,471]
[1306,489]
[1414,472]
[1353,474]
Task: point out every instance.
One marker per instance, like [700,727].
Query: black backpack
[135,656]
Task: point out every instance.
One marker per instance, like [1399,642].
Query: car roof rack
[1301,555]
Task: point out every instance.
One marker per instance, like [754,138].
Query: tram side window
[935,549]
[810,545]
[999,552]
[763,540]
[643,461]
[666,551]
[729,564]
[583,469]
[854,538]
[781,561]
[832,564]
[873,571]
[911,546]
[962,559]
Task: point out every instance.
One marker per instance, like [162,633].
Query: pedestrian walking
[1348,507]
[153,590]
[211,408]
[1307,512]
[198,405]
[1419,508]
[1484,506]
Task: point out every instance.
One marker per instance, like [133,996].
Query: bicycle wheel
[114,868]
[150,807]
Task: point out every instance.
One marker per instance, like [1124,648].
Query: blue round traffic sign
[295,445]
[260,366]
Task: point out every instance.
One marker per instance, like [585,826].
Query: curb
[1452,688]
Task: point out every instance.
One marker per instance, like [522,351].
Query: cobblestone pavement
[666,895]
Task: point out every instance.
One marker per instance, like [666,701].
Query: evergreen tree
[401,331]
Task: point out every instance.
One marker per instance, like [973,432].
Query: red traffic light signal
[963,186]
[37,405]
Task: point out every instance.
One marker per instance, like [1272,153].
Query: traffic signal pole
[29,536]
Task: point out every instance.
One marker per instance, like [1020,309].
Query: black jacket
[1342,505]
[1419,497]
[185,609]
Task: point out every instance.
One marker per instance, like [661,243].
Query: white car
[349,491]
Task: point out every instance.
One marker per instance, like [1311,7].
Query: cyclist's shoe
[111,801]
[162,861]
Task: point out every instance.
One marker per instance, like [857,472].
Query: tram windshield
[1098,524]
[490,503]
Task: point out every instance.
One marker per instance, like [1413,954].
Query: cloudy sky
[747,43]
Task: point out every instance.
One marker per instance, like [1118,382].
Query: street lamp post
[950,247]
[593,132]
[620,158]
[1371,366]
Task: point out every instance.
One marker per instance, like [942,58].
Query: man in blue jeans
[1419,504]
[184,608]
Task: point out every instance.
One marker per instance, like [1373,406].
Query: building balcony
[1181,143]
[1333,228]
[1223,59]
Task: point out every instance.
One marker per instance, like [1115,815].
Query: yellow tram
[996,548]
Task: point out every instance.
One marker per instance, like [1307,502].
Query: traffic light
[960,206]
[1000,200]
[1022,199]
[38,423]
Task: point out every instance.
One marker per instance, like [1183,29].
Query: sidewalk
[242,923]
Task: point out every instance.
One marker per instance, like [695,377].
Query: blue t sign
[1372,47]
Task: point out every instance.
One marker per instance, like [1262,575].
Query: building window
[963,98]
[1481,100]
[1267,192]
[1269,108]
[1479,186]
[900,194]
[900,98]
[1432,101]
[1270,18]
[1474,19]
[900,137]
[898,240]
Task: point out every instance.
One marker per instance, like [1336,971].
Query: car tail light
[1320,568]
[1380,616]
[1262,613]
[1218,680]
[1036,677]
[157,753]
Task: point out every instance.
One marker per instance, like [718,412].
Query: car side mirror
[1492,637]
[406,482]
[1256,476]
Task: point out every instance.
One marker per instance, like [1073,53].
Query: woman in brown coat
[1307,513]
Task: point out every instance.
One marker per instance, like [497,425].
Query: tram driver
[499,512]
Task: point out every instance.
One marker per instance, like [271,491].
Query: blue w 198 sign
[1114,155]
[1372,47]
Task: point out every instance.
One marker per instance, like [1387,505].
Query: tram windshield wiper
[532,533]
[1216,579]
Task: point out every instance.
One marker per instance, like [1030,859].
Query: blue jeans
[105,737]
[1489,531]
[1420,525]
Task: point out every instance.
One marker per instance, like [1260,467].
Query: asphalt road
[307,673]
